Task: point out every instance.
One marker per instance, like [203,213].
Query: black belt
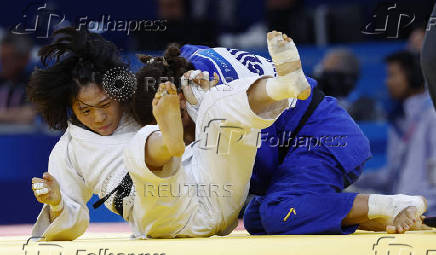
[122,190]
[317,97]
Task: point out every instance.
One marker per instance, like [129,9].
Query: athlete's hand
[46,190]
[197,78]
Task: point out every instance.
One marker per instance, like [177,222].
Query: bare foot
[166,110]
[287,61]
[377,224]
[408,219]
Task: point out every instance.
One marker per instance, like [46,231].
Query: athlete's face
[396,81]
[96,110]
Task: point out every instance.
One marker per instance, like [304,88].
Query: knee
[281,217]
[252,221]
[305,214]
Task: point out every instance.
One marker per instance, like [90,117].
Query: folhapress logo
[38,20]
[389,20]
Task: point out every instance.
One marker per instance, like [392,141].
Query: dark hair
[171,66]
[409,62]
[81,58]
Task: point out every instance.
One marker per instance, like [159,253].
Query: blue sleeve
[188,50]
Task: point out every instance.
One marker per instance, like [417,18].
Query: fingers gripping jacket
[197,91]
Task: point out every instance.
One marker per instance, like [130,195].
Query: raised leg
[160,147]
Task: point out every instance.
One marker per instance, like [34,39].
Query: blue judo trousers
[303,194]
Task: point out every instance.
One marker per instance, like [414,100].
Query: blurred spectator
[411,149]
[428,56]
[14,57]
[416,39]
[337,75]
[289,17]
[177,26]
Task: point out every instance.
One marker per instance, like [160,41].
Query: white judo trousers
[202,193]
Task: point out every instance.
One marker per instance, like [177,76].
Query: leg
[290,80]
[367,211]
[310,214]
[359,212]
[303,196]
[160,147]
[252,219]
[264,93]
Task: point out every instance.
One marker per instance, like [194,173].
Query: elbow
[177,150]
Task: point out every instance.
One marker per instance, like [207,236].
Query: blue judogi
[303,194]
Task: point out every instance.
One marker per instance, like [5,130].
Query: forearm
[56,211]
[67,224]
[428,56]
[156,152]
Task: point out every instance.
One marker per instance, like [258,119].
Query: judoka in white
[193,191]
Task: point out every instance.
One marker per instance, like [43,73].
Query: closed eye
[85,111]
[106,105]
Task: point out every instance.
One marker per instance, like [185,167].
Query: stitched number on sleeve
[250,61]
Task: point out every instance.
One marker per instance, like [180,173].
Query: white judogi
[218,167]
[199,194]
[84,163]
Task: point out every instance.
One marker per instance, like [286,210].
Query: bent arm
[73,220]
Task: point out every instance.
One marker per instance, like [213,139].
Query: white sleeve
[134,159]
[74,219]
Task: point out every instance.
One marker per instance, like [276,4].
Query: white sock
[389,206]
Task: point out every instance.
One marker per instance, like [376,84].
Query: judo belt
[317,97]
[122,190]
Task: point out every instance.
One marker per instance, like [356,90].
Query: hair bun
[144,58]
[172,51]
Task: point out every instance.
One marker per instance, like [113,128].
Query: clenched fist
[46,190]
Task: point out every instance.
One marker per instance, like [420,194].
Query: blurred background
[342,43]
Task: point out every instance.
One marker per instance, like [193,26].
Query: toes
[390,229]
[410,222]
[287,38]
[400,229]
[405,227]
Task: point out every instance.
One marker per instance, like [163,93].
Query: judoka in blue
[304,193]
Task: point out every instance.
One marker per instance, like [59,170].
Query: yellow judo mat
[239,242]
